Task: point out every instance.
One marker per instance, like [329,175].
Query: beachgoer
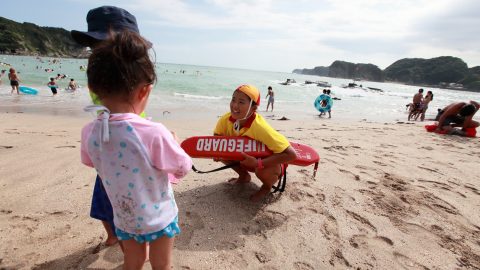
[330,110]
[426,100]
[14,80]
[323,102]
[2,73]
[101,21]
[242,120]
[72,85]
[271,98]
[53,86]
[459,114]
[134,156]
[415,107]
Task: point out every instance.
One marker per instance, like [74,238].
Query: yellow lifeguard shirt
[256,128]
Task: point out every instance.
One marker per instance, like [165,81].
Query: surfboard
[28,90]
[231,147]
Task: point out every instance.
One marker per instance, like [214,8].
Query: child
[14,80]
[101,21]
[271,98]
[133,156]
[72,85]
[53,86]
[242,120]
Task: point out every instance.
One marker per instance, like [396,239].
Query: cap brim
[88,39]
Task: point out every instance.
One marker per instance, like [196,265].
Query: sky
[282,35]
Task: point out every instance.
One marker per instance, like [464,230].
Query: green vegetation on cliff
[30,39]
[439,71]
[342,69]
[427,71]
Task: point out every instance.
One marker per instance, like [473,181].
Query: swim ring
[323,103]
[28,90]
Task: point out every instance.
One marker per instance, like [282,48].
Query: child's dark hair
[120,64]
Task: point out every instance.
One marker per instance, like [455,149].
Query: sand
[386,196]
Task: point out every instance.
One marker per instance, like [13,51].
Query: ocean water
[199,91]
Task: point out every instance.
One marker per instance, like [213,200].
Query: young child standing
[133,156]
[242,120]
[53,86]
[14,80]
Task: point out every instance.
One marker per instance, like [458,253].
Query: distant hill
[342,69]
[427,71]
[440,71]
[347,70]
[30,39]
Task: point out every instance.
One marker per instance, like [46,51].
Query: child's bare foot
[111,241]
[259,195]
[242,179]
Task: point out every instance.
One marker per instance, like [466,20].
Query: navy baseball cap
[101,21]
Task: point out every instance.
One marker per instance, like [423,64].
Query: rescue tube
[28,90]
[231,147]
[469,132]
[323,103]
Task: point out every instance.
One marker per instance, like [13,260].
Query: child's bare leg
[161,253]
[111,237]
[134,255]
[268,176]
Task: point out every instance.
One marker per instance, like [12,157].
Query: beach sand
[386,196]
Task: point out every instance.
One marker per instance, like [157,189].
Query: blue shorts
[101,207]
[170,231]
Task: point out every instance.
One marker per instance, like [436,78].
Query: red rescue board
[231,147]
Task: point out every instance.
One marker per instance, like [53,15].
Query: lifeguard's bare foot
[259,195]
[242,179]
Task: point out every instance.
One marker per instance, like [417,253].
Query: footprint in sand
[407,262]
[192,221]
[365,223]
[472,189]
[302,266]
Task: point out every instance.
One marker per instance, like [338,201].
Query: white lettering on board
[200,143]
[240,145]
[231,145]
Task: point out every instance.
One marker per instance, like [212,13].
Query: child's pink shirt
[134,162]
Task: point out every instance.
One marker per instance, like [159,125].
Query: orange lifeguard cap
[251,91]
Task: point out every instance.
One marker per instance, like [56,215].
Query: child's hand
[249,161]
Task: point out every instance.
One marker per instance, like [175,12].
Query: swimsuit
[13,83]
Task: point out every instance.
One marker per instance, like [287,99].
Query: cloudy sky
[281,35]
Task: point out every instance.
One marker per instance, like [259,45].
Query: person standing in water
[271,98]
[14,80]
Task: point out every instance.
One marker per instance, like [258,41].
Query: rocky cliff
[347,70]
[30,39]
